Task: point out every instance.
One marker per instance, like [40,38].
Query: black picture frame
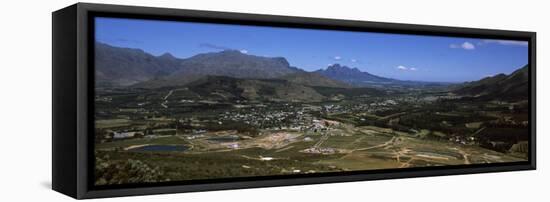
[73,93]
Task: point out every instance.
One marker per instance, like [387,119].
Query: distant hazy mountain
[116,66]
[358,78]
[352,76]
[505,87]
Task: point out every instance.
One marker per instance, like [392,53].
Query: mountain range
[117,66]
[126,67]
[352,76]
[234,64]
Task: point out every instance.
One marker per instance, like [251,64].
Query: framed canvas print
[153,100]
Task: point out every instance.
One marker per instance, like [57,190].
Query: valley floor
[226,154]
[178,134]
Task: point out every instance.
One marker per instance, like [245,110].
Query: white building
[121,135]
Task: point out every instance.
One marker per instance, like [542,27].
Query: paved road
[168,95]
[163,104]
[323,139]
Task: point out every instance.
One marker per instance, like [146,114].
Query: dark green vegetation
[199,121]
[507,87]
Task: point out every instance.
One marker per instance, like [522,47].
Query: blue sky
[406,57]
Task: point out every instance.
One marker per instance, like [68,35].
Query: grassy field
[170,140]
[369,148]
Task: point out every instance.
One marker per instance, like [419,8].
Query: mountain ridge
[352,76]
[358,78]
[135,68]
[513,86]
[233,63]
[116,66]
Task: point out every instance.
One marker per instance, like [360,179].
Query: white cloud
[353,60]
[506,42]
[466,46]
[401,67]
[337,57]
[244,51]
[404,68]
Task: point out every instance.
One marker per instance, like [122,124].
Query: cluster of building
[320,150]
[509,121]
[291,117]
[463,140]
[370,107]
